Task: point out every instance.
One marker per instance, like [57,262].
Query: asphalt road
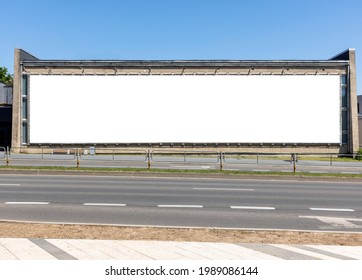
[184,202]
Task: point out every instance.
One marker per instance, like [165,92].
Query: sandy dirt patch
[59,231]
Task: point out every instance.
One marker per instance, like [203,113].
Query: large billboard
[184,109]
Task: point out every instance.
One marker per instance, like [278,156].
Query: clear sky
[181,29]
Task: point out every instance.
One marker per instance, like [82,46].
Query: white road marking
[231,169]
[184,167]
[223,189]
[315,171]
[252,207]
[205,167]
[351,172]
[26,203]
[261,170]
[332,209]
[180,206]
[105,204]
[336,222]
[192,167]
[9,185]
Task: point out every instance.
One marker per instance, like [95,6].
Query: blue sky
[183,29]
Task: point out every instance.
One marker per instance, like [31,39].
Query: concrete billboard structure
[271,106]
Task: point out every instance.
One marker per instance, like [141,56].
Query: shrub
[359,154]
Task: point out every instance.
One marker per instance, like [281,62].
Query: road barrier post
[77,152]
[148,160]
[294,162]
[220,158]
[7,156]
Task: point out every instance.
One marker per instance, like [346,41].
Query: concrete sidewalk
[71,249]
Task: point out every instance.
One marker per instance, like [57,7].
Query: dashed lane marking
[252,207]
[26,203]
[180,206]
[332,209]
[105,204]
[222,189]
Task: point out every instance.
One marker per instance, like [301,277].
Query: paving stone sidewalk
[71,249]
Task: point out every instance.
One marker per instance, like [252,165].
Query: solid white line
[351,172]
[331,209]
[252,207]
[261,170]
[105,204]
[223,189]
[315,171]
[26,203]
[9,185]
[180,206]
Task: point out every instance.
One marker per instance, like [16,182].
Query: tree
[5,77]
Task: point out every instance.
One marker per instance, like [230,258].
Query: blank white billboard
[185,109]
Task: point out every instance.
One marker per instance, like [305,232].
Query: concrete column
[16,125]
[354,139]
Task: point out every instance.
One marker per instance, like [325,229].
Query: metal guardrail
[258,158]
[204,157]
[114,154]
[154,157]
[45,154]
[328,159]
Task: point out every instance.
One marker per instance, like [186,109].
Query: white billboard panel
[185,109]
